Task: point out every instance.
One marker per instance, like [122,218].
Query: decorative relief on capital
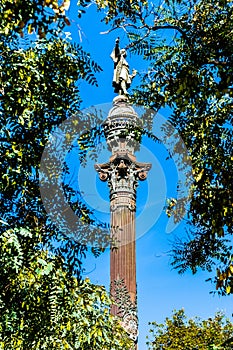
[122,174]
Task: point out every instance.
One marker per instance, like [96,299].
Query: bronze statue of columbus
[121,77]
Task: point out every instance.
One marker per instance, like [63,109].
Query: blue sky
[160,289]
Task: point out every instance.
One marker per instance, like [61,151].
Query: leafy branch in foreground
[41,17]
[178,332]
[44,307]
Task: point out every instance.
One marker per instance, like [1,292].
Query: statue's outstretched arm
[116,51]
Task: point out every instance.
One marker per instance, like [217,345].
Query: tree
[180,333]
[39,91]
[188,44]
[44,307]
[39,16]
[44,302]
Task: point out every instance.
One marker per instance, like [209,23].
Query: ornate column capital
[122,173]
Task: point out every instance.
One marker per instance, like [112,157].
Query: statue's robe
[121,70]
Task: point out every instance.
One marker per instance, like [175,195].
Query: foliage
[40,16]
[43,302]
[39,90]
[116,11]
[191,72]
[180,333]
[44,307]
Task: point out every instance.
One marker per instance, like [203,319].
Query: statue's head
[123,52]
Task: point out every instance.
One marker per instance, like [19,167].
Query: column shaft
[123,256]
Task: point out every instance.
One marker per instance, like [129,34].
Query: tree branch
[149,29]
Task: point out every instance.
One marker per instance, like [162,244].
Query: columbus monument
[123,129]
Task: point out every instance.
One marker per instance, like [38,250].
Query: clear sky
[160,289]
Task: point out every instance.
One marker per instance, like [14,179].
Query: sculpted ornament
[122,175]
[130,324]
